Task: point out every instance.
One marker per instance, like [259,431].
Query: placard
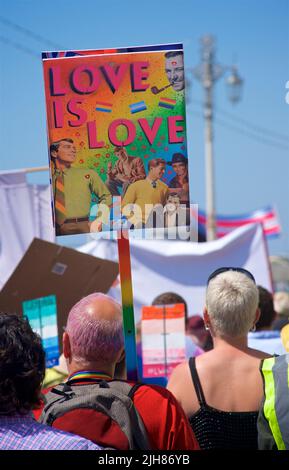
[163,339]
[42,316]
[116,128]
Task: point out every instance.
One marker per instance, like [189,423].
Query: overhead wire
[20,47]
[238,130]
[252,129]
[28,32]
[251,126]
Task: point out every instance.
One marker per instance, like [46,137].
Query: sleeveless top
[216,429]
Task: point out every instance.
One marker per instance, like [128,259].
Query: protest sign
[122,113]
[163,339]
[50,269]
[42,316]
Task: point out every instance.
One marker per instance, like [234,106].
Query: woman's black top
[216,429]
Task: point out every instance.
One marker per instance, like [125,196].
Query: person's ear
[120,367]
[66,345]
[257,315]
[121,356]
[53,154]
[206,319]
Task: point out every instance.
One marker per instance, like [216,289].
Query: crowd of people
[228,394]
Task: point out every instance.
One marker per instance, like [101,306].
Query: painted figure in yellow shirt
[73,189]
[142,196]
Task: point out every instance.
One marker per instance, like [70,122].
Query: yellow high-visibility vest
[275,371]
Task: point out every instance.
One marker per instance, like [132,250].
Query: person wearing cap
[180,182]
[73,191]
[221,390]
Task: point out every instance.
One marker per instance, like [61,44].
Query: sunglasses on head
[225,269]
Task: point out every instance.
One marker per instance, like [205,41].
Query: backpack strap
[134,388]
[140,438]
[63,390]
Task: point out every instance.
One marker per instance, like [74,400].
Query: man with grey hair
[93,346]
[221,390]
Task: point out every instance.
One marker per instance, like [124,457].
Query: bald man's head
[94,326]
[100,307]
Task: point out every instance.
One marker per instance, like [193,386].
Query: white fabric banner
[184,267]
[25,213]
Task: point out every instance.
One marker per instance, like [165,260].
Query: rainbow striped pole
[127,305]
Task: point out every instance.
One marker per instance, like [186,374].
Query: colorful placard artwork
[117,129]
[163,339]
[42,316]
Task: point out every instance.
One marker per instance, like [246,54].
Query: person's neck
[60,165]
[150,179]
[107,369]
[183,175]
[240,342]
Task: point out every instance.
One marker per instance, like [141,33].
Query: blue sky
[251,149]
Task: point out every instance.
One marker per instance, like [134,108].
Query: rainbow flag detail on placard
[104,107]
[137,107]
[167,103]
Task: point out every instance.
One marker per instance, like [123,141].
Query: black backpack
[102,412]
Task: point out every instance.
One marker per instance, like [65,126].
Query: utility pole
[208,72]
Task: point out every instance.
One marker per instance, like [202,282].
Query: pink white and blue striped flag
[226,223]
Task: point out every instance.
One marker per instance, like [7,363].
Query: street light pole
[210,189]
[208,72]
[208,60]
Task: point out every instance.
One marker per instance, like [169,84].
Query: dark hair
[156,162]
[266,306]
[54,146]
[118,149]
[168,298]
[170,54]
[22,365]
[196,327]
[174,194]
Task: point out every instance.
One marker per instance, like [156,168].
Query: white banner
[25,213]
[184,267]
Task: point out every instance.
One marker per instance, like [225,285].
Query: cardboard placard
[163,339]
[50,269]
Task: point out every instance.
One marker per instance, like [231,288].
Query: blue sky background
[251,164]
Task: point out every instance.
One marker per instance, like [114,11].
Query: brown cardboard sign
[50,269]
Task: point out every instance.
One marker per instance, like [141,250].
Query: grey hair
[232,300]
